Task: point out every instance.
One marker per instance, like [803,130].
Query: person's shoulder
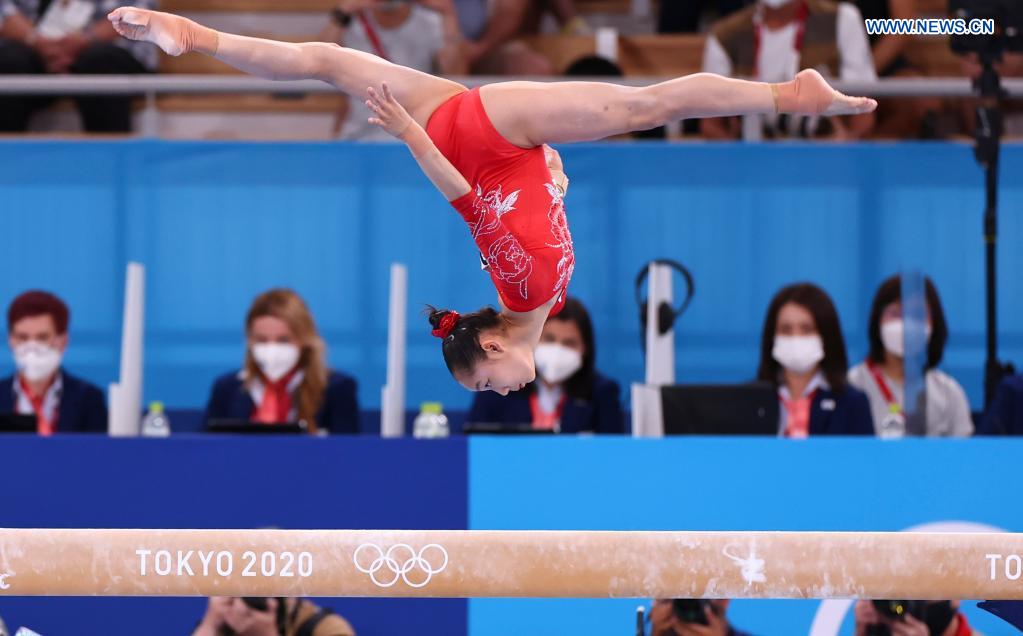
[73,383]
[726,26]
[339,379]
[603,382]
[1014,383]
[858,375]
[944,381]
[229,381]
[426,16]
[851,395]
[826,7]
[324,622]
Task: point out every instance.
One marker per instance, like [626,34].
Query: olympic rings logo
[400,561]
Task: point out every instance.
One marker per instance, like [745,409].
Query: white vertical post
[392,396]
[606,43]
[660,348]
[126,395]
[647,413]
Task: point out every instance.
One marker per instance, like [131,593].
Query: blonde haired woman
[285,376]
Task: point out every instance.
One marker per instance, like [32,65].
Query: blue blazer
[1004,415]
[339,414]
[846,413]
[602,414]
[82,406]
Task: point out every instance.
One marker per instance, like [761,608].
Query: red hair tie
[447,325]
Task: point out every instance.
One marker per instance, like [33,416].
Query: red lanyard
[543,420]
[371,33]
[801,17]
[44,426]
[886,392]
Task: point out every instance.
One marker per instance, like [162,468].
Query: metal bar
[222,84]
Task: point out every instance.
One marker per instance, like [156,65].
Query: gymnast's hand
[556,167]
[810,94]
[172,33]
[390,115]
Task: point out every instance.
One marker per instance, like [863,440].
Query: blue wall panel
[215,223]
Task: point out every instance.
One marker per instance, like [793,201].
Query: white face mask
[275,359]
[775,4]
[36,361]
[798,354]
[556,363]
[893,336]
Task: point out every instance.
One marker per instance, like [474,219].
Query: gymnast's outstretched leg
[349,70]
[533,113]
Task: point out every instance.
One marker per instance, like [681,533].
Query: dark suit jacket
[1005,414]
[602,414]
[846,413]
[339,414]
[82,406]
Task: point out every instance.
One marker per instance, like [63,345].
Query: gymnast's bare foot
[810,94]
[172,33]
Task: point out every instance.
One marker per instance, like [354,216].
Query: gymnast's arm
[264,58]
[393,118]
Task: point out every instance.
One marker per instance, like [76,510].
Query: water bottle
[431,422]
[155,423]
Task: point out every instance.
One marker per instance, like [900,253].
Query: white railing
[150,86]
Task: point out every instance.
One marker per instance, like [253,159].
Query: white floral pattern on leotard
[504,255]
[505,258]
[562,237]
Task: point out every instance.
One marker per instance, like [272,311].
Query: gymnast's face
[505,368]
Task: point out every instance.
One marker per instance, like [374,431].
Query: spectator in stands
[1004,415]
[285,376]
[675,618]
[569,394]
[565,15]
[899,117]
[492,48]
[37,332]
[423,35]
[230,616]
[685,16]
[771,41]
[930,618]
[881,376]
[802,353]
[1011,65]
[58,36]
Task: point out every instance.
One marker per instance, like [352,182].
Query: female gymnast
[486,151]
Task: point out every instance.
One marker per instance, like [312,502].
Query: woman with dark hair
[803,354]
[285,376]
[882,374]
[486,150]
[569,396]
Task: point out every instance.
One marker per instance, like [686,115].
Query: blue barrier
[229,482]
[216,223]
[493,483]
[728,484]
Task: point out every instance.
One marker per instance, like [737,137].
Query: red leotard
[514,210]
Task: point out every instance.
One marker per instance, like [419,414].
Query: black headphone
[666,314]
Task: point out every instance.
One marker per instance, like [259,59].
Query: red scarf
[542,420]
[276,404]
[44,426]
[797,423]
